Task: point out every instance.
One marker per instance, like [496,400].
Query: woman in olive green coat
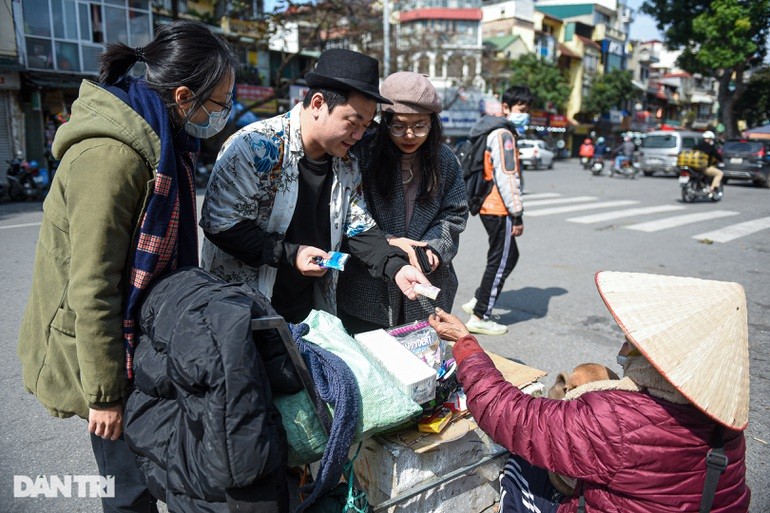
[120,213]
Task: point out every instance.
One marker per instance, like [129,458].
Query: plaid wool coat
[438,222]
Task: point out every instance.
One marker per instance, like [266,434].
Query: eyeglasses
[226,107]
[399,130]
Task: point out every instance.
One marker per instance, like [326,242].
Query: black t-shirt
[310,226]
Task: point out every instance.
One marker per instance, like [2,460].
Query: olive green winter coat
[71,343]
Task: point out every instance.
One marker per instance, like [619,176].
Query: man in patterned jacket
[284,192]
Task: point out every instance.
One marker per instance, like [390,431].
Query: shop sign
[559,121]
[538,118]
[252,93]
[459,119]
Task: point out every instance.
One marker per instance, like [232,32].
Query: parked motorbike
[696,185]
[597,166]
[24,180]
[628,168]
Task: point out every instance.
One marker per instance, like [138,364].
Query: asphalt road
[556,317]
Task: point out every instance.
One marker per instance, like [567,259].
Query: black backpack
[471,157]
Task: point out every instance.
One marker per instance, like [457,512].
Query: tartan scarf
[168,234]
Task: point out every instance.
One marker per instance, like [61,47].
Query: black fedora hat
[348,71]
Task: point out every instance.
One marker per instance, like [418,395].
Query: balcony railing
[603,31]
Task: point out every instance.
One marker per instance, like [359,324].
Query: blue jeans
[619,160]
[114,458]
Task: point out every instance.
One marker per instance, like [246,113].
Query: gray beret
[411,93]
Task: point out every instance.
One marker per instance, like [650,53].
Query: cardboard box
[455,470]
[455,475]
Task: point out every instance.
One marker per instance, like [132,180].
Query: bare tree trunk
[727,98]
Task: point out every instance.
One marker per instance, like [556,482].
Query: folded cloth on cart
[384,405]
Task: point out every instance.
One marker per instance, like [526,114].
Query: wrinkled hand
[407,246]
[106,422]
[407,277]
[304,261]
[449,327]
[517,230]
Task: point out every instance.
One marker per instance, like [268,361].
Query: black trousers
[501,259]
[525,488]
[114,458]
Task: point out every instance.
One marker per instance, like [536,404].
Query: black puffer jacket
[201,415]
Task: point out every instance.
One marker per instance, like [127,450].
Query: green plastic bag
[384,405]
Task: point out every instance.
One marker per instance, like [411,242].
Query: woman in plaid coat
[415,191]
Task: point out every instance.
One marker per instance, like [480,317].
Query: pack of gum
[428,291]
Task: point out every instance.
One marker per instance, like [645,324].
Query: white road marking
[558,201]
[576,208]
[735,231]
[672,222]
[618,214]
[541,195]
[19,225]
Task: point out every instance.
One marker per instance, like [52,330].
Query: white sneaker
[469,306]
[485,326]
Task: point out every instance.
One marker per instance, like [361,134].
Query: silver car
[534,154]
[660,149]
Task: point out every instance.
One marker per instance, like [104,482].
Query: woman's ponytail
[182,53]
[116,60]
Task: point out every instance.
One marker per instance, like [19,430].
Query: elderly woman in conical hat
[641,443]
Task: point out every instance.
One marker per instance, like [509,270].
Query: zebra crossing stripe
[541,195]
[557,201]
[735,231]
[618,214]
[23,225]
[673,222]
[576,208]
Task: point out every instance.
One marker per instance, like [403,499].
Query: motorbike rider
[624,151]
[600,149]
[708,147]
[587,149]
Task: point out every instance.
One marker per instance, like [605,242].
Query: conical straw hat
[693,331]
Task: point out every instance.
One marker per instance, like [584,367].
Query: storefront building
[59,45]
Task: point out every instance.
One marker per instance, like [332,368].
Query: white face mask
[519,118]
[216,122]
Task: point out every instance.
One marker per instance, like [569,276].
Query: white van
[660,148]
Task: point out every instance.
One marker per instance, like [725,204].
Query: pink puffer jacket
[630,451]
